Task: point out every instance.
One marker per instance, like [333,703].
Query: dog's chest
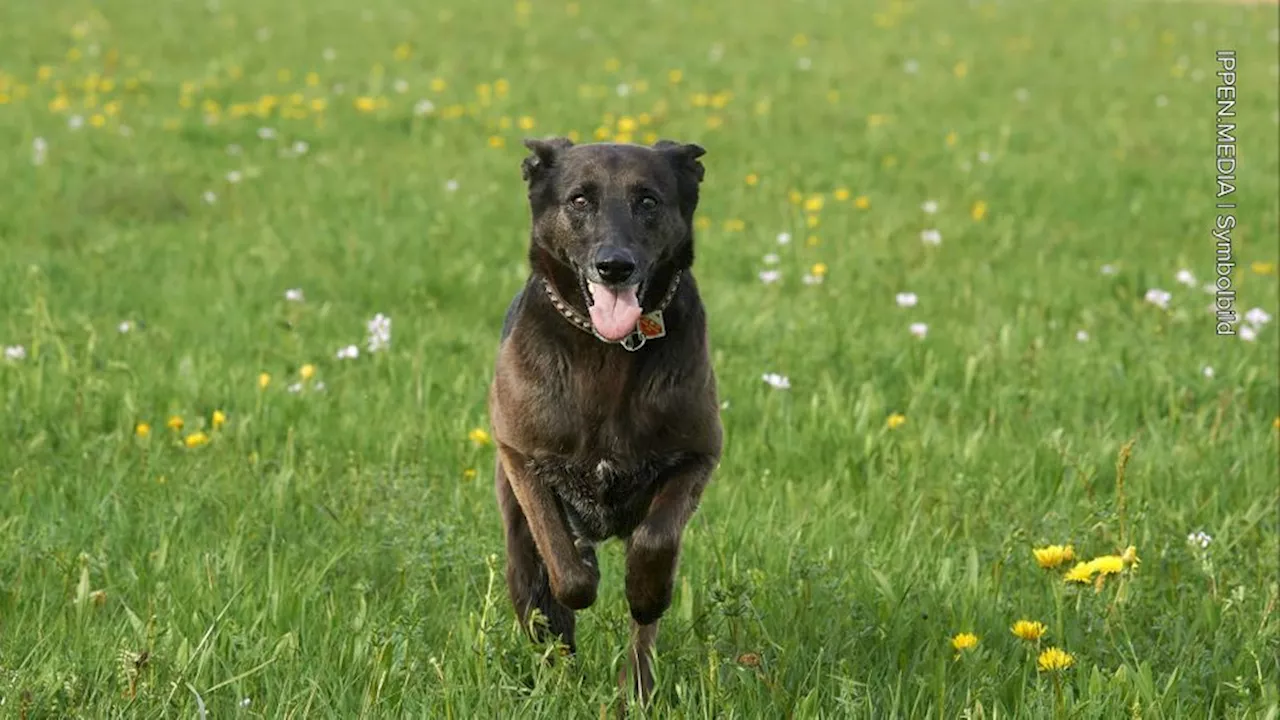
[605,498]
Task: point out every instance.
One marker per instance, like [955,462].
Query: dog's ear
[683,157]
[544,155]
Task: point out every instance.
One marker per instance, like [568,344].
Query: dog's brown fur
[595,441]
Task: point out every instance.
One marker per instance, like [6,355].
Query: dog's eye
[579,202]
[649,202]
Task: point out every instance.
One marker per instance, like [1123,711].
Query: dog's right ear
[545,153]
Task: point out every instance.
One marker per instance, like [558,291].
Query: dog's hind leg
[527,581]
[636,677]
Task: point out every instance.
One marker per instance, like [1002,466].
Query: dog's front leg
[653,552]
[573,580]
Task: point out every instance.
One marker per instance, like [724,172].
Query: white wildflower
[1082,336]
[234,177]
[930,206]
[1022,95]
[811,279]
[769,276]
[294,295]
[1257,317]
[919,329]
[125,326]
[39,151]
[329,55]
[379,333]
[424,107]
[1207,371]
[350,352]
[400,86]
[776,381]
[300,147]
[1158,297]
[266,133]
[931,237]
[451,186]
[1107,269]
[1200,539]
[1185,277]
[1248,334]
[804,63]
[295,388]
[75,122]
[784,238]
[622,90]
[771,259]
[906,299]
[911,66]
[209,197]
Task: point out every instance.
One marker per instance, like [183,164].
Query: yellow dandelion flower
[818,270]
[218,420]
[1107,564]
[44,73]
[813,204]
[313,79]
[469,474]
[479,436]
[438,85]
[112,108]
[195,440]
[174,422]
[264,379]
[1276,423]
[700,99]
[73,54]
[876,119]
[284,75]
[402,52]
[97,120]
[526,122]
[1262,268]
[675,76]
[650,138]
[752,179]
[622,138]
[364,103]
[602,133]
[1029,630]
[319,104]
[714,121]
[612,65]
[833,96]
[721,99]
[626,124]
[1054,659]
[862,202]
[794,197]
[573,136]
[964,641]
[142,430]
[702,223]
[1081,573]
[306,372]
[979,210]
[952,138]
[799,40]
[734,225]
[811,221]
[496,141]
[895,421]
[813,241]
[961,69]
[1054,555]
[841,194]
[59,104]
[572,9]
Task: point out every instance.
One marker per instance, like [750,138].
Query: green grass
[337,553]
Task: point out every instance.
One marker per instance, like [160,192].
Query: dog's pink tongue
[614,313]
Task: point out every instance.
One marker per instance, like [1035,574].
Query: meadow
[254,258]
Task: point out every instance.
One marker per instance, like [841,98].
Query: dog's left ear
[683,156]
[545,152]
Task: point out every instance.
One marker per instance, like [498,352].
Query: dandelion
[1185,277]
[469,474]
[1081,573]
[905,299]
[1028,630]
[451,186]
[350,352]
[379,333]
[1082,336]
[931,237]
[769,276]
[1054,659]
[142,430]
[862,202]
[1158,297]
[1207,371]
[1262,268]
[264,380]
[174,423]
[895,421]
[1107,564]
[784,238]
[964,641]
[752,179]
[918,329]
[306,372]
[776,381]
[294,295]
[929,207]
[234,176]
[819,269]
[209,197]
[1257,317]
[195,440]
[979,210]
[479,436]
[813,204]
[1130,556]
[1054,555]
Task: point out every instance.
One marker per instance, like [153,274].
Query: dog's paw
[578,592]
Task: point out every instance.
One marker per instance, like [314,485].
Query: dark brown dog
[603,403]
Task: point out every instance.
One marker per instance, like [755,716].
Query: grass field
[319,538]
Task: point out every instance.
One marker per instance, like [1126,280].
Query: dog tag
[652,326]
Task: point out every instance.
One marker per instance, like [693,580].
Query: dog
[603,402]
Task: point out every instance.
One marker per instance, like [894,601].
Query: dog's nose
[615,266]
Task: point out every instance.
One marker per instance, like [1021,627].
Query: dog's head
[616,216]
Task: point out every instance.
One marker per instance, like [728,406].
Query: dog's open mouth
[614,310]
